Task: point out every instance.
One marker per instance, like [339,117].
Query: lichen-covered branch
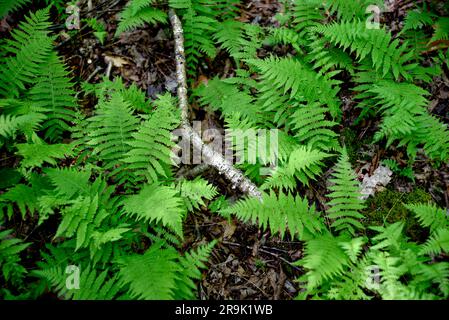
[212,158]
[180,59]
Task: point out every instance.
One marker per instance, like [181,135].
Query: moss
[352,143]
[388,207]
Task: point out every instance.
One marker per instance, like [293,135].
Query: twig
[263,251]
[212,158]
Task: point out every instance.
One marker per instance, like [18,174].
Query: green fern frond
[151,146]
[310,127]
[436,273]
[345,202]
[307,14]
[10,124]
[8,6]
[36,154]
[437,243]
[279,214]
[69,182]
[25,197]
[240,40]
[156,203]
[433,134]
[10,249]
[386,55]
[80,219]
[441,29]
[390,236]
[417,19]
[30,46]
[137,13]
[228,98]
[110,131]
[191,264]
[93,285]
[430,215]
[198,31]
[324,259]
[151,276]
[53,96]
[193,192]
[296,78]
[304,164]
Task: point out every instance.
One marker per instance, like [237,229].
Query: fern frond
[198,31]
[304,164]
[53,95]
[69,182]
[441,29]
[345,202]
[193,192]
[310,127]
[137,13]
[296,78]
[25,197]
[93,285]
[386,55]
[110,131]
[151,276]
[10,249]
[437,273]
[279,214]
[417,19]
[10,124]
[324,259]
[158,204]
[430,215]
[191,264]
[30,46]
[151,146]
[437,243]
[80,219]
[8,6]
[36,154]
[240,40]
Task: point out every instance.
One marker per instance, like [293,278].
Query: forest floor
[247,263]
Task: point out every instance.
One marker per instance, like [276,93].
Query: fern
[152,275]
[304,164]
[10,249]
[298,80]
[157,203]
[324,258]
[430,216]
[345,202]
[191,263]
[53,96]
[30,48]
[311,127]
[110,130]
[150,147]
[35,155]
[193,193]
[8,6]
[279,213]
[438,242]
[92,285]
[137,13]
[386,55]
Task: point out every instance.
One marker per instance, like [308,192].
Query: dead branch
[212,158]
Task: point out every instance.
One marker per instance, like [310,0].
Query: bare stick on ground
[212,158]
